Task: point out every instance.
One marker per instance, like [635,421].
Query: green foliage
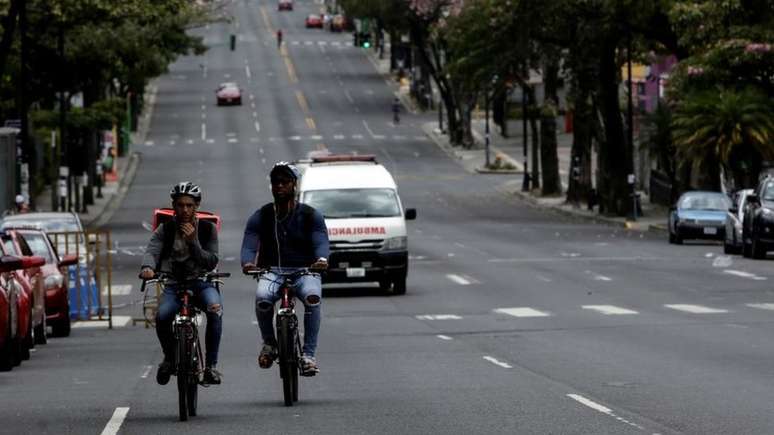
[725,126]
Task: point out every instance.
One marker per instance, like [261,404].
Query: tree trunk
[579,185]
[615,155]
[531,115]
[9,30]
[552,184]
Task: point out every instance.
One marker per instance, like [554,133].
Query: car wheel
[727,249]
[29,341]
[61,328]
[6,353]
[675,239]
[41,329]
[758,249]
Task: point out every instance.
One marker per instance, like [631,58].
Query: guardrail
[92,276]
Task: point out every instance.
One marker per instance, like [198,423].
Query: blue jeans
[308,288]
[208,299]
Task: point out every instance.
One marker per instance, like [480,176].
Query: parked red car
[56,307]
[15,310]
[314,21]
[285,5]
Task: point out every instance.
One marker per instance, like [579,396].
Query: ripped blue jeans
[208,299]
[308,288]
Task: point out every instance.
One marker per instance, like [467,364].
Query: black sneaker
[267,356]
[165,371]
[211,376]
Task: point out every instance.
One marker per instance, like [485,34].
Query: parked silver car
[732,244]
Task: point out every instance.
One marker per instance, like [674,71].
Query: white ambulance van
[365,218]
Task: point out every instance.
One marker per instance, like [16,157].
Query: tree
[727,129]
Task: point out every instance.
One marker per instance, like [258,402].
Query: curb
[115,201]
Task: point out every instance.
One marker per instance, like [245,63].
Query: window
[37,245]
[354,203]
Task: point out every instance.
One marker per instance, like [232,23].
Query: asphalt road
[516,320]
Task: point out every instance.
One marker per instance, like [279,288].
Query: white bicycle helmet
[186,188]
[285,168]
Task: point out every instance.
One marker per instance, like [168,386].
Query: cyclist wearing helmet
[185,248]
[286,236]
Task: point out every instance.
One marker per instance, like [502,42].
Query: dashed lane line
[742,274]
[461,280]
[438,317]
[609,309]
[763,306]
[522,312]
[114,425]
[601,408]
[146,372]
[695,309]
[444,337]
[497,362]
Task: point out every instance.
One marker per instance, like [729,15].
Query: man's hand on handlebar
[250,268]
[147,273]
[320,265]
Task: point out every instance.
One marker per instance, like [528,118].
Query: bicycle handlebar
[258,272]
[209,276]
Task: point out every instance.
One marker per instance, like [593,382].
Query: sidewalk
[113,192]
[511,151]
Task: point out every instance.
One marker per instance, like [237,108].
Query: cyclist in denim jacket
[185,248]
[286,236]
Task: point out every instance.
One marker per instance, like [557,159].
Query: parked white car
[732,244]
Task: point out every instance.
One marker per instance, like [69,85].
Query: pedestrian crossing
[176,141]
[610,310]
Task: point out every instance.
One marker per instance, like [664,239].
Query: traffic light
[365,40]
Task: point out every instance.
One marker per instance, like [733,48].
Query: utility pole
[65,159]
[630,121]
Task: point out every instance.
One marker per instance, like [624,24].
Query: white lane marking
[764,306]
[420,138]
[562,259]
[146,372]
[349,97]
[695,309]
[233,140]
[543,278]
[458,279]
[398,137]
[444,337]
[315,137]
[438,317]
[252,97]
[116,421]
[118,289]
[247,71]
[338,136]
[204,116]
[172,143]
[204,131]
[257,127]
[522,312]
[118,322]
[494,361]
[204,107]
[379,136]
[255,115]
[149,143]
[308,42]
[210,140]
[254,322]
[601,408]
[609,309]
[745,275]
[368,129]
[231,134]
[598,277]
[357,136]
[294,138]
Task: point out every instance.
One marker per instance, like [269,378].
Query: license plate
[710,231]
[355,272]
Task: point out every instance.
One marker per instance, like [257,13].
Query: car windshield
[354,203]
[38,246]
[768,191]
[705,202]
[52,225]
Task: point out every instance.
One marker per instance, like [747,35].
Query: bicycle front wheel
[193,378]
[183,362]
[287,359]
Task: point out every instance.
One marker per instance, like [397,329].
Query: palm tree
[725,128]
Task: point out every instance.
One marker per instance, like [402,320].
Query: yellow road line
[266,20]
[311,124]
[302,101]
[291,70]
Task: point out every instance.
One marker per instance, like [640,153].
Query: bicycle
[189,364]
[288,337]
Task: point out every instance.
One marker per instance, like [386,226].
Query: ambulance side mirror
[411,214]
